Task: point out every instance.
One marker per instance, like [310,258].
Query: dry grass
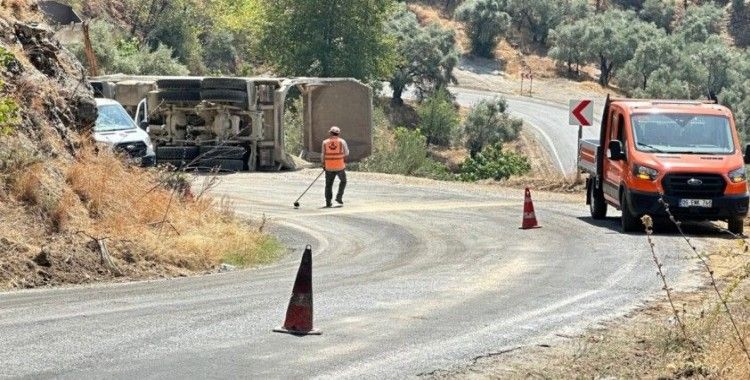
[126,203]
[427,14]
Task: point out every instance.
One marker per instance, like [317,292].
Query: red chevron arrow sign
[582,112]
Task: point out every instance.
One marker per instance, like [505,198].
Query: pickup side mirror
[747,154]
[144,124]
[615,151]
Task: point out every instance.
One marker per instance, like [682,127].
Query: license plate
[704,203]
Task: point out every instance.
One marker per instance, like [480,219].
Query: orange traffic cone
[299,315]
[529,216]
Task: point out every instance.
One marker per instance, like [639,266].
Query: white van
[114,127]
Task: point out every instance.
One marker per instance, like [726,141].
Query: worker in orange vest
[334,153]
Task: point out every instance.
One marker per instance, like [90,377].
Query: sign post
[582,115]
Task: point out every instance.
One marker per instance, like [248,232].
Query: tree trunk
[397,95]
[606,69]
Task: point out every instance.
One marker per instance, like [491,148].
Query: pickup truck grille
[133,149]
[694,186]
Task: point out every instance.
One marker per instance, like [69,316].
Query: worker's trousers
[330,177]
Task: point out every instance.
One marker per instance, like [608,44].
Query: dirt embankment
[72,212]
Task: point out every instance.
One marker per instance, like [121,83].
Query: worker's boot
[340,201]
[328,204]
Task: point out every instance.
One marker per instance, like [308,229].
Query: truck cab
[661,157]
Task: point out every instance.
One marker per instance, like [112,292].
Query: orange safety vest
[334,154]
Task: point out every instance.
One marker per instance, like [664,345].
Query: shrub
[116,53]
[489,124]
[493,163]
[400,151]
[439,118]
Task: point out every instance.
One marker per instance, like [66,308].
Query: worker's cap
[335,130]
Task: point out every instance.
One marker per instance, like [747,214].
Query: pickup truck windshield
[683,133]
[113,118]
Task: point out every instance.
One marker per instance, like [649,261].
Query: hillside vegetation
[72,212]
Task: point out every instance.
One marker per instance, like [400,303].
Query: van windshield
[683,133]
[113,118]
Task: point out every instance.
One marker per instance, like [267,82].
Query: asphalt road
[410,277]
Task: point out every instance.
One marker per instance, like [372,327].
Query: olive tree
[486,20]
[489,123]
[426,57]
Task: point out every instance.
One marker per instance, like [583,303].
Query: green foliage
[539,16]
[566,41]
[659,12]
[739,23]
[611,39]
[701,22]
[116,53]
[329,38]
[6,57]
[486,20]
[293,126]
[489,124]
[650,56]
[493,163]
[428,55]
[9,114]
[400,151]
[439,118]
[178,27]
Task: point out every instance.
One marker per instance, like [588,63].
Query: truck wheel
[630,222]
[222,165]
[179,84]
[597,204]
[736,225]
[182,96]
[219,152]
[187,153]
[224,83]
[235,97]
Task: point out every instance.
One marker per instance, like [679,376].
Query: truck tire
[187,153]
[172,164]
[220,152]
[736,225]
[224,84]
[181,96]
[234,97]
[179,84]
[222,165]
[630,222]
[597,204]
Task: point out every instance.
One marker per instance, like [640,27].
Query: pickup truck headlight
[644,172]
[738,176]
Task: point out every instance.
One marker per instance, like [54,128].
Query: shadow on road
[664,227]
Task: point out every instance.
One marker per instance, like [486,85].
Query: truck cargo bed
[587,154]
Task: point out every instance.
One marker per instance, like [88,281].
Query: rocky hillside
[65,215]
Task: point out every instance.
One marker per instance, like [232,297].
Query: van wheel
[737,226]
[630,222]
[597,204]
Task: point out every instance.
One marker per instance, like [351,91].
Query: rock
[43,259]
[223,268]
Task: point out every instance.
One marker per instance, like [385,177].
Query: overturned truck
[238,123]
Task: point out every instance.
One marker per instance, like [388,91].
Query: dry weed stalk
[704,262]
[648,223]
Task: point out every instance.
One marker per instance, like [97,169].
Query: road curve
[410,277]
[549,122]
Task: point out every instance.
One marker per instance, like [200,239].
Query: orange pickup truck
[685,152]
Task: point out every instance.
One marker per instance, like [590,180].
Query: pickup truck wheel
[630,222]
[736,225]
[597,204]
